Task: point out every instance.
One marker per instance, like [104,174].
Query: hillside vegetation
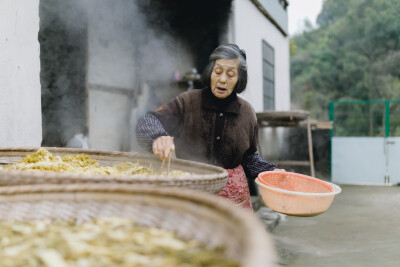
[354,54]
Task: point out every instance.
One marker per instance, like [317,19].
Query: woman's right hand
[163,146]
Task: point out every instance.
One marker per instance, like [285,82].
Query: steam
[106,53]
[155,56]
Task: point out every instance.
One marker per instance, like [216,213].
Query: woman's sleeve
[148,129]
[253,164]
[166,121]
[170,116]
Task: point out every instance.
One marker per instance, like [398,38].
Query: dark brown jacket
[207,129]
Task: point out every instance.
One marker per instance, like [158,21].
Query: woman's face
[224,77]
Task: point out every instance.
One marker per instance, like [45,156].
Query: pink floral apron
[236,188]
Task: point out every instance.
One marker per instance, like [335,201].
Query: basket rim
[302,176]
[116,177]
[220,173]
[336,191]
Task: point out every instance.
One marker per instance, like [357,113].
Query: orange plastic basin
[296,194]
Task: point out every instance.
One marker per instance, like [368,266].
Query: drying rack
[292,118]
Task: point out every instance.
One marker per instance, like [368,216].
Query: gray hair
[230,51]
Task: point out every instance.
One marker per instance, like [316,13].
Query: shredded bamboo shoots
[43,160]
[100,242]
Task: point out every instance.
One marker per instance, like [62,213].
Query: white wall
[247,29]
[20,91]
[365,160]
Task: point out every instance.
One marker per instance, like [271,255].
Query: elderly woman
[211,125]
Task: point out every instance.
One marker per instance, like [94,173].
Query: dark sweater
[207,129]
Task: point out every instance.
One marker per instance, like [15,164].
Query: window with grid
[268,55]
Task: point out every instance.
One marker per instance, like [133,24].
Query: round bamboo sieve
[190,214]
[205,177]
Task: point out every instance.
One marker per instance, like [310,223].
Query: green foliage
[367,118]
[354,55]
[359,119]
[394,119]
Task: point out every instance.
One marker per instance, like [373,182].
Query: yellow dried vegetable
[43,160]
[101,242]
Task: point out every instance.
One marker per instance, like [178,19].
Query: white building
[20,105]
[261,28]
[97,65]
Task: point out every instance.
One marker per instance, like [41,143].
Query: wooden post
[310,147]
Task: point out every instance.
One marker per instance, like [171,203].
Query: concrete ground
[361,228]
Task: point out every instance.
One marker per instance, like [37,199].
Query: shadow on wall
[297,149]
[63,71]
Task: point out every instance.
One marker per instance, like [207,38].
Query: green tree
[353,54]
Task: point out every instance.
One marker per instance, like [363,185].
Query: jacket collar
[230,104]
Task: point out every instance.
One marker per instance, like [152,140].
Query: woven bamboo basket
[205,177]
[189,214]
